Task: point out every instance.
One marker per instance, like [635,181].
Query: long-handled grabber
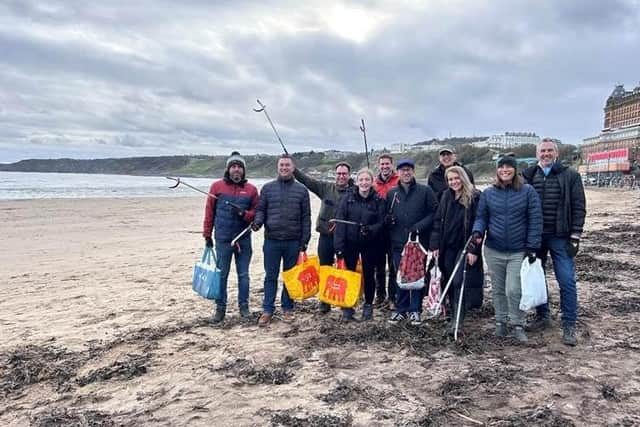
[366,149]
[213,196]
[459,308]
[234,242]
[263,109]
[344,221]
[438,307]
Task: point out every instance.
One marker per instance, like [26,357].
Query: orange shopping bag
[303,279]
[339,286]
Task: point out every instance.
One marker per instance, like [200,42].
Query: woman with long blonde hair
[452,227]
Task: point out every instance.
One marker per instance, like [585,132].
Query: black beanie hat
[509,160]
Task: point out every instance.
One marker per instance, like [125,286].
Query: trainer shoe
[264,320]
[415,319]
[569,335]
[519,334]
[244,312]
[539,323]
[501,329]
[397,318]
[218,316]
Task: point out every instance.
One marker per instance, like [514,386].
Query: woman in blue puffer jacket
[509,211]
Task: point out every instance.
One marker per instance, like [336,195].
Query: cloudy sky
[153,77]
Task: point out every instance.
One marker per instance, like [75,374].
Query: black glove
[390,219]
[531,256]
[302,248]
[475,243]
[339,255]
[573,245]
[208,242]
[413,234]
[364,230]
[255,226]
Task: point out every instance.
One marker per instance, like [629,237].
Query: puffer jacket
[382,186]
[414,211]
[512,218]
[219,213]
[367,211]
[438,183]
[571,208]
[330,195]
[285,211]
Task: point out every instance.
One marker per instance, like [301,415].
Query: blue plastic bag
[206,276]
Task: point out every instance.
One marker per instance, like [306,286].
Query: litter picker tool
[234,242]
[461,258]
[213,196]
[263,109]
[459,308]
[366,149]
[343,221]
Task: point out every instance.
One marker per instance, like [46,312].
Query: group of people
[528,215]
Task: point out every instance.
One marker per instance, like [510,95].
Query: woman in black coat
[365,210]
[452,227]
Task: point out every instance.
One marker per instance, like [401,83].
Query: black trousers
[370,254]
[383,264]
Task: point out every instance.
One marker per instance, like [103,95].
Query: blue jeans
[224,252]
[276,251]
[407,301]
[564,268]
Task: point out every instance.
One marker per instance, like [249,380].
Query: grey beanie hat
[237,159]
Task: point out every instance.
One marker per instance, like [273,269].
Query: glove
[475,243]
[364,230]
[339,255]
[208,242]
[573,245]
[255,226]
[389,219]
[302,248]
[531,256]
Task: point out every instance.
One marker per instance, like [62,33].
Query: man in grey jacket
[285,212]
[330,194]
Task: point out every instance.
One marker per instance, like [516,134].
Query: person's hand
[413,234]
[475,243]
[435,253]
[302,247]
[339,255]
[531,256]
[390,219]
[208,241]
[573,246]
[364,230]
[472,258]
[255,226]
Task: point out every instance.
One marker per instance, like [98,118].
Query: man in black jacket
[410,210]
[563,210]
[447,158]
[330,194]
[285,212]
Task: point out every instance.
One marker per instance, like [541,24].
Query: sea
[37,185]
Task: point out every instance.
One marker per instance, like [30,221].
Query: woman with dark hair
[452,227]
[510,213]
[364,210]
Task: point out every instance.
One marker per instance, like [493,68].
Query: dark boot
[218,316]
[539,323]
[347,315]
[324,308]
[501,329]
[569,335]
[367,312]
[519,334]
[244,312]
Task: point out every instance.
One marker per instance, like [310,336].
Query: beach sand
[99,326]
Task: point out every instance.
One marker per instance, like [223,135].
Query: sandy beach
[99,326]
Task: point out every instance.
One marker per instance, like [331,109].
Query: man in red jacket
[386,179]
[231,212]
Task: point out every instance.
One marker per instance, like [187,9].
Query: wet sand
[99,326]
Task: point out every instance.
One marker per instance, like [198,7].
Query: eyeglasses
[342,173]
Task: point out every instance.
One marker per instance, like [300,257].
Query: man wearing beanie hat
[447,158]
[330,194]
[229,214]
